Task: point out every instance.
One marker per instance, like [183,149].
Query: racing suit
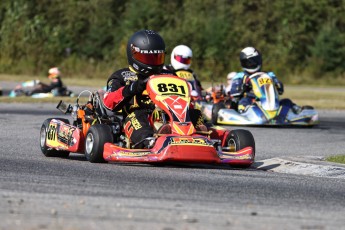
[125,92]
[56,83]
[241,90]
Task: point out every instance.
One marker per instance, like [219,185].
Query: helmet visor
[150,58]
[251,63]
[184,60]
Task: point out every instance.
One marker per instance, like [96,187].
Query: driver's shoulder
[239,75]
[271,74]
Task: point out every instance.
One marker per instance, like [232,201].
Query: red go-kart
[100,135]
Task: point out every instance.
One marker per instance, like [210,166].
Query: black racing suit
[122,95]
[56,83]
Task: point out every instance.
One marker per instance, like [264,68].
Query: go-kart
[267,109]
[35,89]
[100,135]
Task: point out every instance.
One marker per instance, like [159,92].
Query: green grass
[318,97]
[76,80]
[24,99]
[337,159]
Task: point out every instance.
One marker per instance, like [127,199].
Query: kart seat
[100,108]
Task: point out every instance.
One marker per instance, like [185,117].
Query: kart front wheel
[238,139]
[96,137]
[215,109]
[47,151]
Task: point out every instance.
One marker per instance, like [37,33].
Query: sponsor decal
[51,134]
[242,157]
[131,154]
[135,123]
[136,49]
[65,135]
[129,76]
[188,141]
[151,51]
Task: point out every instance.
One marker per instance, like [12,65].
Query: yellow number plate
[264,81]
[185,75]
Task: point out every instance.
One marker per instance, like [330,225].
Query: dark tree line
[301,40]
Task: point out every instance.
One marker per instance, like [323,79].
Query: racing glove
[246,87]
[135,88]
[280,87]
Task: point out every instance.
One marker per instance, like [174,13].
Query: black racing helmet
[251,60]
[146,52]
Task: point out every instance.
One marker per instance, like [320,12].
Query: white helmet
[54,72]
[181,57]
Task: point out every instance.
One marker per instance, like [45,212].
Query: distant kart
[27,88]
[100,135]
[266,110]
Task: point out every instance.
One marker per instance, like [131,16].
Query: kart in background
[28,87]
[267,109]
[101,137]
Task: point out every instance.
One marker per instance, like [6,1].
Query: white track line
[302,166]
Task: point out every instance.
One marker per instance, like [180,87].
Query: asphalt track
[51,193]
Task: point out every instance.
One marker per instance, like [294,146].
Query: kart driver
[251,62]
[229,78]
[180,61]
[125,87]
[56,83]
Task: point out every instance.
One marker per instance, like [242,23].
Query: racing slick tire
[238,139]
[49,152]
[96,137]
[215,109]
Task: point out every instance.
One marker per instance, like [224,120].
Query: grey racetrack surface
[50,193]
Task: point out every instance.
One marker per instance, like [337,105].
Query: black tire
[215,110]
[238,139]
[95,139]
[48,152]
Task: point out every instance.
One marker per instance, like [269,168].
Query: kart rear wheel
[215,109]
[238,139]
[96,137]
[47,151]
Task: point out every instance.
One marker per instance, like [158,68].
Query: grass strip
[337,159]
[320,97]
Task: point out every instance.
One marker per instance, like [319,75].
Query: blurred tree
[89,36]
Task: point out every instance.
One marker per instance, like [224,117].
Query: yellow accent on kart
[256,89]
[271,114]
[185,75]
[179,131]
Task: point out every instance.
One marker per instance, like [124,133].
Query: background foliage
[302,41]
